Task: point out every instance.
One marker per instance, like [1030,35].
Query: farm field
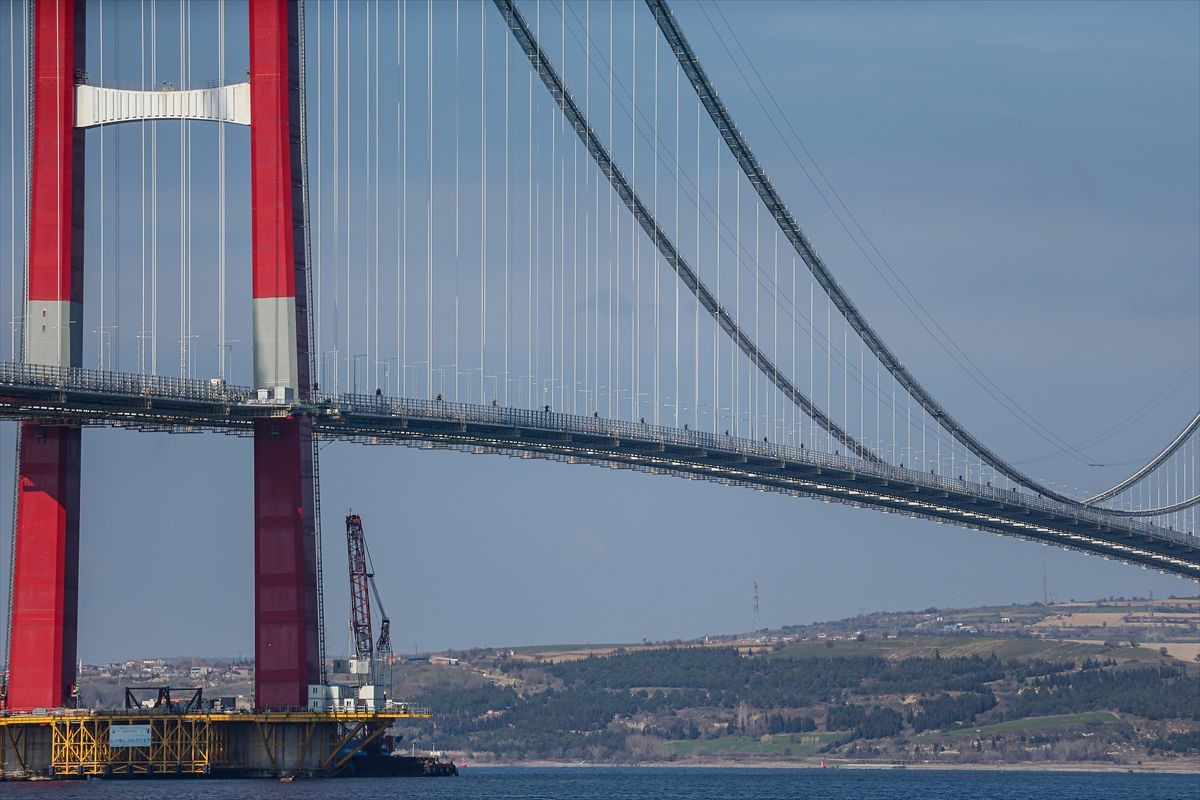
[1027,724]
[962,646]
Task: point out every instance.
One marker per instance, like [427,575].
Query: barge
[63,744]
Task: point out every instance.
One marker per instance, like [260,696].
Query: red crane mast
[360,593]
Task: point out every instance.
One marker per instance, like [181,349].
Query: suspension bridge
[495,227]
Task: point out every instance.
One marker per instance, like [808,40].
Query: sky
[1031,171]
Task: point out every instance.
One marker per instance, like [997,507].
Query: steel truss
[85,397]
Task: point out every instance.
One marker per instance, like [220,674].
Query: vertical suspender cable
[614,246]
[376,175]
[614,317]
[349,264]
[12,195]
[716,410]
[678,239]
[335,278]
[772,422]
[845,376]
[457,189]
[402,320]
[595,267]
[370,166]
[811,388]
[588,232]
[574,244]
[574,259]
[535,316]
[654,210]
[154,197]
[142,330]
[314,267]
[793,433]
[182,198]
[696,318]
[482,204]
[114,354]
[772,416]
[27,148]
[429,205]
[103,200]
[187,166]
[529,243]
[191,361]
[595,285]
[506,223]
[562,232]
[634,397]
[221,199]
[735,371]
[555,203]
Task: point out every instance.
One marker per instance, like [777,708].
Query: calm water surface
[652,784]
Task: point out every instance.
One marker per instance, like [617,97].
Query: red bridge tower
[46,567]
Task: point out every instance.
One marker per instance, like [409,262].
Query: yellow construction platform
[77,743]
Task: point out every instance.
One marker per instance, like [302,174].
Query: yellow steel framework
[193,743]
[80,746]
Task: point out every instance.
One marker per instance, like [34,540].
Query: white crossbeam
[97,105]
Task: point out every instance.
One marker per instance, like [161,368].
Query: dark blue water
[653,784]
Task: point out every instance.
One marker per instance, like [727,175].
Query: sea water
[589,783]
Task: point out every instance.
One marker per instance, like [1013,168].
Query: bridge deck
[167,404]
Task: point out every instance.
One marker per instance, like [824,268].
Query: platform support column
[286,647]
[45,604]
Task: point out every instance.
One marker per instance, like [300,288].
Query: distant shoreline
[1158,768]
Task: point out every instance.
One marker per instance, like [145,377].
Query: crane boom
[383,645]
[360,597]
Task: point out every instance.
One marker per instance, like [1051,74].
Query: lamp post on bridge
[332,355]
[548,389]
[354,370]
[226,367]
[105,333]
[417,377]
[442,380]
[387,374]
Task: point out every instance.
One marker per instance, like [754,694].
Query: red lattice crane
[362,586]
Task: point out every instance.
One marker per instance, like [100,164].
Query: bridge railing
[105,382]
[217,392]
[123,383]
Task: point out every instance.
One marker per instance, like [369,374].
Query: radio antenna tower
[1045,594]
[757,624]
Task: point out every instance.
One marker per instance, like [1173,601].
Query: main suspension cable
[1150,466]
[791,229]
